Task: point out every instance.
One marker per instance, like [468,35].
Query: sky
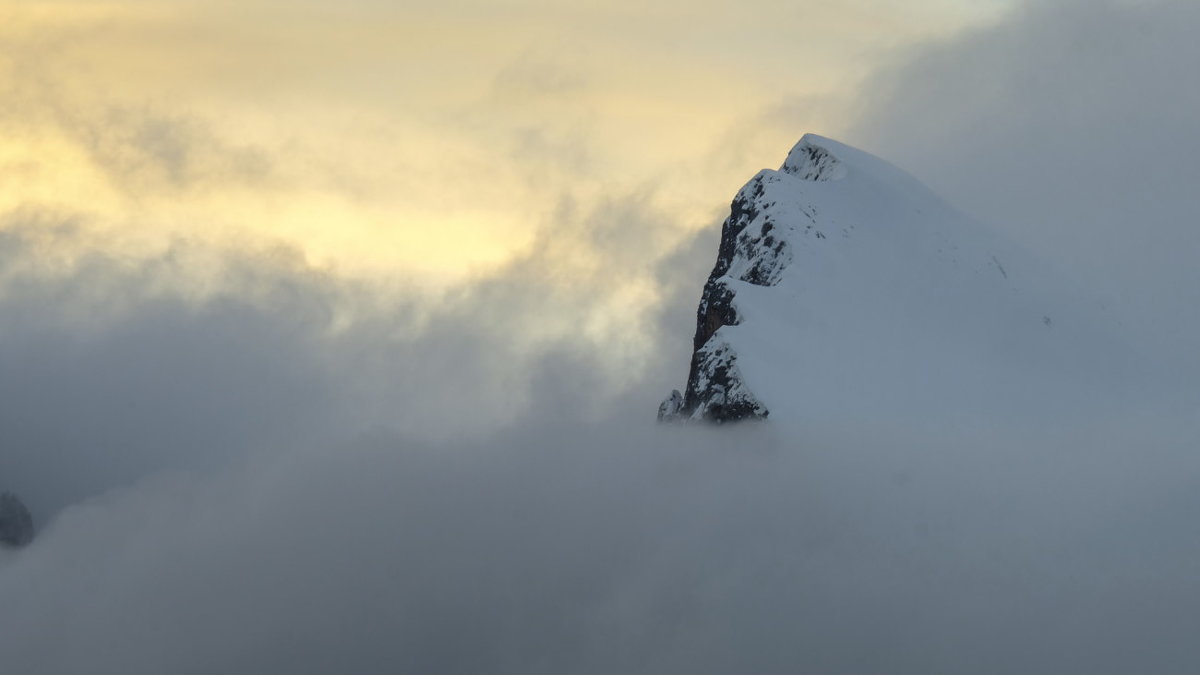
[331,338]
[399,140]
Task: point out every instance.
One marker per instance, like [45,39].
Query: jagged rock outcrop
[16,523]
[669,408]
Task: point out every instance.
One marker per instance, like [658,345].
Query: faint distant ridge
[16,523]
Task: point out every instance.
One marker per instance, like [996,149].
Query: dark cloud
[109,375]
[112,369]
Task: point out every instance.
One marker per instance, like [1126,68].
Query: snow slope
[843,286]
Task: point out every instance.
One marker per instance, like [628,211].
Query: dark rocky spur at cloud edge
[16,523]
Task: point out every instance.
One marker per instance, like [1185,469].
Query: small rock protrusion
[668,410]
[16,523]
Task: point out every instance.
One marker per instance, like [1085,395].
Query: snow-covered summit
[841,280]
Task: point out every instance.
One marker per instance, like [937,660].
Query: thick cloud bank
[587,549]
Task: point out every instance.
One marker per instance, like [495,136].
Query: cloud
[142,150]
[293,475]
[624,548]
[113,369]
[110,374]
[1067,124]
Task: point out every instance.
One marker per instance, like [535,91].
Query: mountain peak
[841,279]
[814,158]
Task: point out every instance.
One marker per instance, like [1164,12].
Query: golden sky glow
[384,138]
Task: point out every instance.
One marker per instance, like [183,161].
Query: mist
[289,472]
[1068,126]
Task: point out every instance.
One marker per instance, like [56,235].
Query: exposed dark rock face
[753,250]
[714,391]
[16,524]
[717,393]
